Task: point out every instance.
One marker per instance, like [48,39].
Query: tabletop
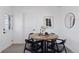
[38,36]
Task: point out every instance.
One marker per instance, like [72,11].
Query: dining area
[40,29]
[44,43]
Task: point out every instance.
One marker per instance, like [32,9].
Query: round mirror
[69,20]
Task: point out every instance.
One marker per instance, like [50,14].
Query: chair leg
[24,47]
[65,48]
[53,47]
[57,48]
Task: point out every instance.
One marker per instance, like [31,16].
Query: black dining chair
[60,46]
[37,46]
[51,46]
[28,44]
[32,45]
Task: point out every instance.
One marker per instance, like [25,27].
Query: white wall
[28,18]
[72,34]
[5,39]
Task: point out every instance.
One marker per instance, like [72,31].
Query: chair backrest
[29,35]
[61,41]
[28,41]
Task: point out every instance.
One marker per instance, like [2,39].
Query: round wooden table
[44,38]
[39,36]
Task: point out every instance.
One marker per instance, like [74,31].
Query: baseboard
[18,43]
